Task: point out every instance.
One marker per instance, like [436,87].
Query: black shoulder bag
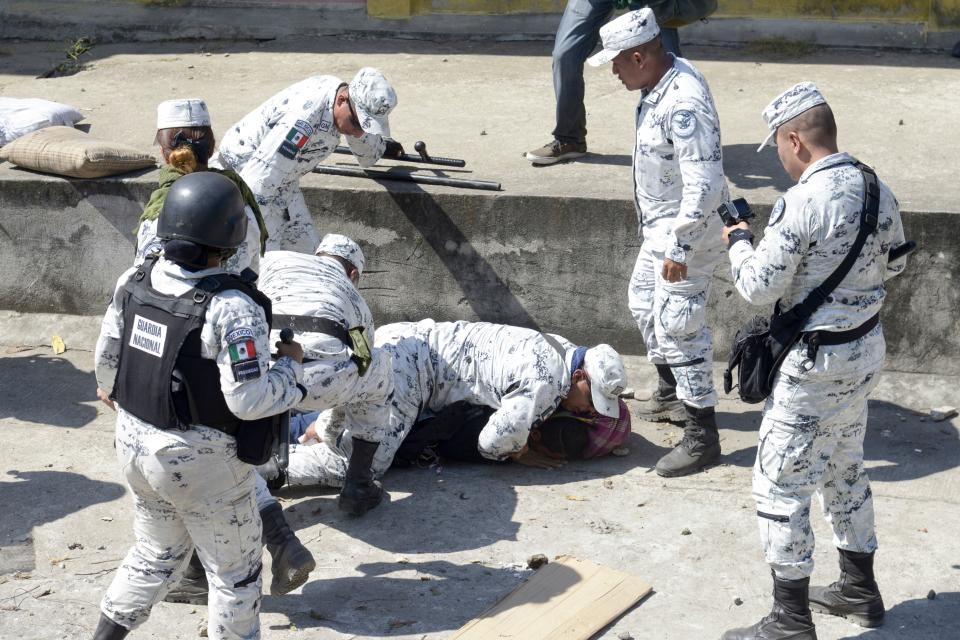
[761,345]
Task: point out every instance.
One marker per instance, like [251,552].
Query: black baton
[354,172]
[898,252]
[422,156]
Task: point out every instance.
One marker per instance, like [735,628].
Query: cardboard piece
[568,599]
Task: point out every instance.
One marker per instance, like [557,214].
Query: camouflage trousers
[387,421]
[290,228]
[672,316]
[189,489]
[811,441]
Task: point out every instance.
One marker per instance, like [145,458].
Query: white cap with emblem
[630,30]
[608,379]
[788,105]
[374,99]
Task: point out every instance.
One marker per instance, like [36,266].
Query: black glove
[739,234]
[393,150]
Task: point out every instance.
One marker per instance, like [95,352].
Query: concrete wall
[933,13]
[558,264]
[933,24]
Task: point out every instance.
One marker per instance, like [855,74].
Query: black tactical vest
[162,378]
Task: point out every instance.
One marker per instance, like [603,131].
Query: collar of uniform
[174,270]
[831,160]
[654,95]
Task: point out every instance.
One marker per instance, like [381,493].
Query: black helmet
[205,208]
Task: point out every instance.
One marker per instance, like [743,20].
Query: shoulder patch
[243,354]
[247,370]
[303,127]
[239,335]
[295,139]
[324,125]
[776,214]
[683,124]
[288,149]
[242,348]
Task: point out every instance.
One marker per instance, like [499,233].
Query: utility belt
[813,340]
[355,339]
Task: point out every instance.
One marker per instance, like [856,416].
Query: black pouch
[256,438]
[759,349]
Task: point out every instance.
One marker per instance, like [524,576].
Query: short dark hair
[565,435]
[817,123]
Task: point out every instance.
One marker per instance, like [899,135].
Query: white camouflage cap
[374,99]
[608,379]
[788,105]
[626,32]
[335,244]
[183,112]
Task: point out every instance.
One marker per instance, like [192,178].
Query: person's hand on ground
[530,458]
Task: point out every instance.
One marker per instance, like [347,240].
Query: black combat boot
[790,618]
[700,445]
[107,629]
[360,491]
[193,587]
[663,406]
[855,596]
[292,562]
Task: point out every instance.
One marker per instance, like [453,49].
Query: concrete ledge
[445,255]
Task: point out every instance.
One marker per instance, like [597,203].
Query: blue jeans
[577,37]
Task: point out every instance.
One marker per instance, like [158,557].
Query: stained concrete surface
[451,541]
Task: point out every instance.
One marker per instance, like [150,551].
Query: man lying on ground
[523,375]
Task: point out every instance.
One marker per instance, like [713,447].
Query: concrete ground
[452,541]
[490,102]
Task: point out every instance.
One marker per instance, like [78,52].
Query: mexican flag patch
[243,350]
[297,138]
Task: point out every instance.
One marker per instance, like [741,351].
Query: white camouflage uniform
[189,487]
[309,285]
[247,255]
[436,364]
[811,437]
[282,140]
[678,186]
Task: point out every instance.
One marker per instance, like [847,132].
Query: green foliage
[75,49]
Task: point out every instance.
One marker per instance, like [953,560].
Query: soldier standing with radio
[183,353]
[811,438]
